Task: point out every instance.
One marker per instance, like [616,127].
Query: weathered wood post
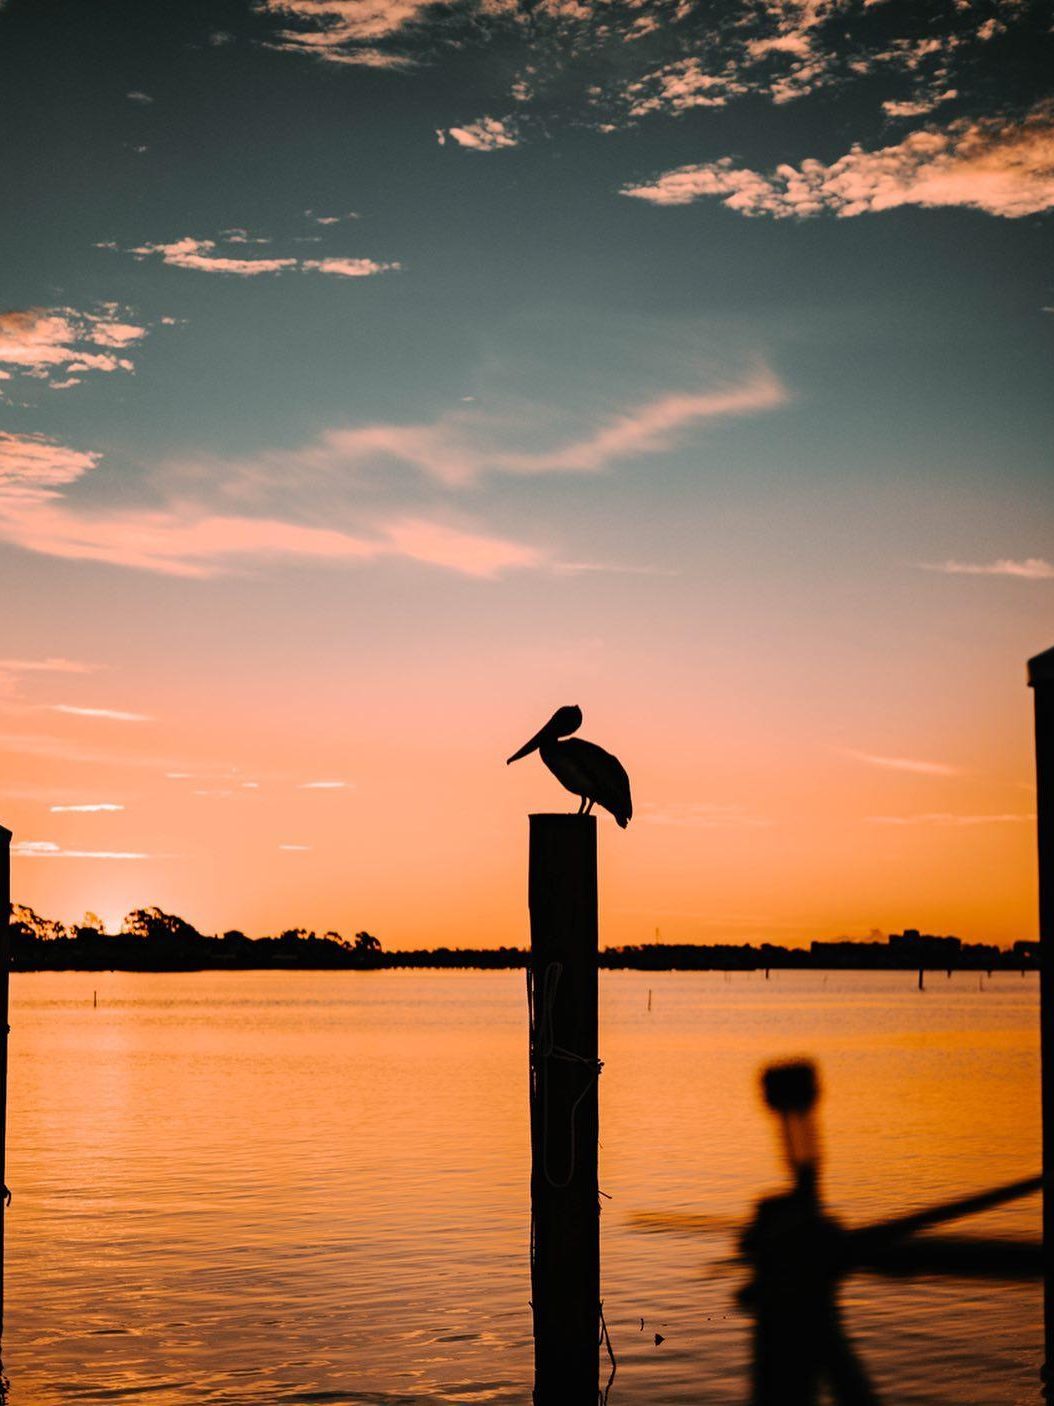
[5,966]
[1041,678]
[565,1206]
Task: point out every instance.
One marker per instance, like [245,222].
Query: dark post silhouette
[5,965]
[565,1207]
[1041,678]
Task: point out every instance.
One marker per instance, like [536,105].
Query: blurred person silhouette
[798,1255]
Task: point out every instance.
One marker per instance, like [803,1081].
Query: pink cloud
[909,764]
[33,467]
[1001,167]
[341,21]
[348,268]
[191,253]
[487,134]
[653,427]
[49,343]
[197,544]
[466,552]
[1030,569]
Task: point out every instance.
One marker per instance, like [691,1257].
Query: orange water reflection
[240,1187]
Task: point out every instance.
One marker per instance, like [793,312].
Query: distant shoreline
[654,958]
[151,940]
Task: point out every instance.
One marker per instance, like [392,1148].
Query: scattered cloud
[1030,569]
[681,86]
[295,849]
[137,97]
[910,764]
[918,107]
[188,253]
[346,31]
[486,134]
[1002,167]
[323,785]
[60,345]
[114,714]
[47,849]
[88,808]
[202,256]
[349,268]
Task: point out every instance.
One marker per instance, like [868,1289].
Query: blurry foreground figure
[798,1253]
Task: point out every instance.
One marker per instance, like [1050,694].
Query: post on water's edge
[1041,679]
[565,1206]
[5,966]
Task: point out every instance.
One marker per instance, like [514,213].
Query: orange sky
[784,788]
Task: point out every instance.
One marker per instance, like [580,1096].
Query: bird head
[563,722]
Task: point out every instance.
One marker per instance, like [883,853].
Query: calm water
[312,1188]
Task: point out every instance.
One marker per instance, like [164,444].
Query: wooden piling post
[1041,679]
[565,1207]
[5,968]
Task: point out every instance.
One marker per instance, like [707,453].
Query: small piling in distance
[1041,679]
[5,969]
[565,1202]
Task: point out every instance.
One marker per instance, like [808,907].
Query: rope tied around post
[543,1048]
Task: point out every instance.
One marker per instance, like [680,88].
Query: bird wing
[597,774]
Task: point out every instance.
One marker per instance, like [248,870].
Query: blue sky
[474,354]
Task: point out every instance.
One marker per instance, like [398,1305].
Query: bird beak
[536,741]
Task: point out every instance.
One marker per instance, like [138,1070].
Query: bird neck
[548,748]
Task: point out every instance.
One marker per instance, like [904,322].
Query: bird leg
[581,805]
[589,808]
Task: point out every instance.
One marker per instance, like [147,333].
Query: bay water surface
[312,1187]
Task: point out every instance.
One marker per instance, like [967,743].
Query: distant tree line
[152,940]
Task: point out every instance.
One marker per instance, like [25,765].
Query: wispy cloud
[194,539]
[202,255]
[1030,569]
[189,253]
[47,849]
[1000,166]
[45,666]
[60,346]
[909,764]
[182,543]
[324,785]
[486,134]
[295,849]
[33,467]
[87,808]
[949,818]
[466,443]
[13,671]
[653,426]
[114,714]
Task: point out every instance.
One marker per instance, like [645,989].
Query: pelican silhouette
[583,768]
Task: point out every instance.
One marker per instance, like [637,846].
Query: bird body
[583,768]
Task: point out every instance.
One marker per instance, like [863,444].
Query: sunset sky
[376,377]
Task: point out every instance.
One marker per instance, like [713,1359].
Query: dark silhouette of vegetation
[152,940]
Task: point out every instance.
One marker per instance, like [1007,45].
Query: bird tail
[622,820]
